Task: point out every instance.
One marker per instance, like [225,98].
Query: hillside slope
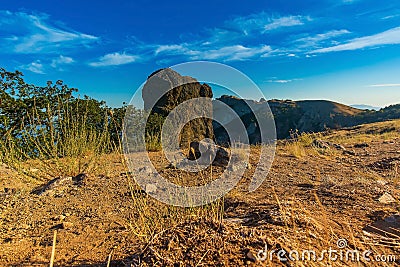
[302,116]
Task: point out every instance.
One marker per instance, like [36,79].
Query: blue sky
[342,50]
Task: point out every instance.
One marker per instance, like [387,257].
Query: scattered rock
[339,147]
[67,225]
[386,199]
[389,142]
[9,190]
[386,229]
[60,217]
[52,185]
[381,182]
[205,151]
[361,145]
[349,152]
[251,257]
[79,179]
[321,144]
[59,184]
[385,164]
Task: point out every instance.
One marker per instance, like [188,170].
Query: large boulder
[205,151]
[165,89]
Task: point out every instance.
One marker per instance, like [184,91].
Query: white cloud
[36,67]
[250,27]
[288,21]
[224,53]
[388,37]
[317,38]
[176,49]
[61,60]
[114,59]
[391,16]
[29,34]
[262,22]
[386,85]
[233,53]
[281,81]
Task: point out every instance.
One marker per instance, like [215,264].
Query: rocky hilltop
[165,89]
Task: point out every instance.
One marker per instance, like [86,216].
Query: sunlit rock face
[166,89]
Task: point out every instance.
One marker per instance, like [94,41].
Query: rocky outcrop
[165,89]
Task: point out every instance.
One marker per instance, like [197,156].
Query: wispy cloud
[388,37]
[385,85]
[281,81]
[233,53]
[114,59]
[314,40]
[34,33]
[61,60]
[36,67]
[224,53]
[235,40]
[392,16]
[262,22]
[288,21]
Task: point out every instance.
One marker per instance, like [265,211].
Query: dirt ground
[311,201]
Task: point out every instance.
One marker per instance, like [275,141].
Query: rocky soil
[306,202]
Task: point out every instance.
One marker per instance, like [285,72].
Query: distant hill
[303,116]
[364,107]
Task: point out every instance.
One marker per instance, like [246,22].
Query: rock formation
[165,89]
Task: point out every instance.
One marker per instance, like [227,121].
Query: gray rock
[206,150]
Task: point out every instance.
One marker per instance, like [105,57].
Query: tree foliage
[27,109]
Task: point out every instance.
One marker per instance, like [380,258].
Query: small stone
[79,179]
[381,182]
[386,199]
[339,147]
[361,145]
[349,152]
[321,144]
[67,225]
[60,217]
[151,188]
[250,256]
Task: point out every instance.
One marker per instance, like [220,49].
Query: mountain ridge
[305,115]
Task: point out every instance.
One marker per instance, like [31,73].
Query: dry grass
[193,236]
